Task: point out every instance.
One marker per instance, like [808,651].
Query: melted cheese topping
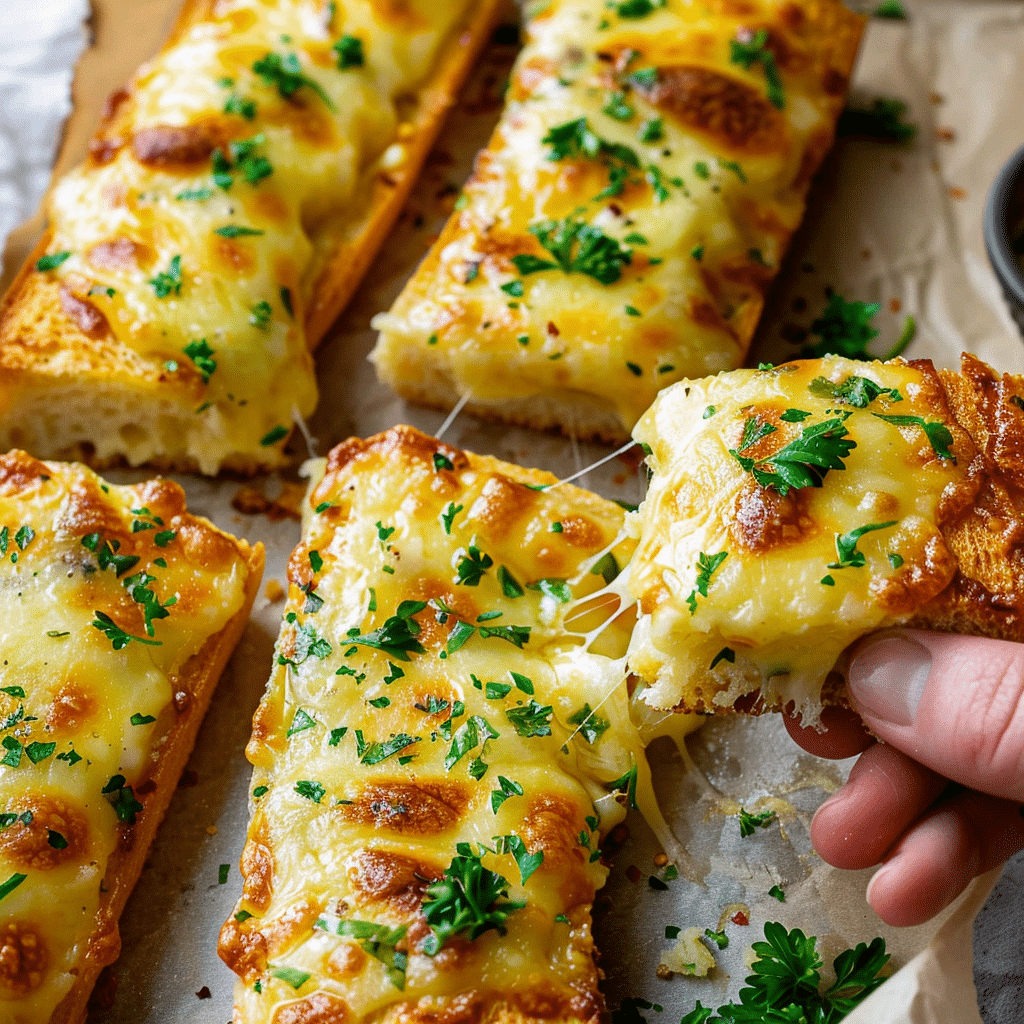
[213,197]
[794,579]
[339,831]
[694,176]
[83,710]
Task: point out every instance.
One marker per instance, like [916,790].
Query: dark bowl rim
[994,226]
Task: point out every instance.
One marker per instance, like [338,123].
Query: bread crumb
[946,134]
[211,830]
[274,591]
[895,305]
[956,192]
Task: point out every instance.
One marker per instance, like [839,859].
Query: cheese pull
[232,199]
[443,742]
[624,223]
[120,611]
[794,509]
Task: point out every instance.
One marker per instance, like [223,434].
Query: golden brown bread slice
[436,711]
[121,610]
[232,199]
[622,227]
[795,509]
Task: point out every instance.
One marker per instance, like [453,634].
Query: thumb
[953,703]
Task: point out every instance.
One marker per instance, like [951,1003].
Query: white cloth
[40,40]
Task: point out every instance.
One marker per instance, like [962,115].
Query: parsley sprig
[755,50]
[846,545]
[397,636]
[577,248]
[859,392]
[286,75]
[803,462]
[786,983]
[706,566]
[469,900]
[938,434]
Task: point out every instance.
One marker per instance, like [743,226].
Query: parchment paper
[884,226]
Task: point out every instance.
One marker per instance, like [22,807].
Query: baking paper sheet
[897,225]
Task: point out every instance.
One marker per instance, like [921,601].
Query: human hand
[940,800]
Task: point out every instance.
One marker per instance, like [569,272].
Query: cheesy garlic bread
[442,744]
[120,612]
[621,229]
[233,197]
[793,509]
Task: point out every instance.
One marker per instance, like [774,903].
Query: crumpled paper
[897,225]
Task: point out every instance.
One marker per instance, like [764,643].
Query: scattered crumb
[274,591]
[689,956]
[955,192]
[633,873]
[896,165]
[189,778]
[895,305]
[799,305]
[660,860]
[204,993]
[211,830]
[619,479]
[937,97]
[946,134]
[251,501]
[865,254]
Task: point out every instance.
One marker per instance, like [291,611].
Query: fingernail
[888,677]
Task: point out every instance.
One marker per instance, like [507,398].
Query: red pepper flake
[895,305]
[552,329]
[740,918]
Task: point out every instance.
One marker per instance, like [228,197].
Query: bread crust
[199,679]
[45,352]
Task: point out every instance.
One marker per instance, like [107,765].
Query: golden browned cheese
[621,229]
[120,610]
[232,198]
[447,673]
[752,579]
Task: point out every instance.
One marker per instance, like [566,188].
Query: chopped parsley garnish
[449,514]
[308,643]
[237,231]
[523,683]
[474,731]
[803,462]
[285,74]
[376,751]
[202,355]
[241,106]
[140,719]
[558,590]
[380,941]
[71,756]
[938,434]
[105,551]
[653,130]
[472,566]
[776,892]
[118,638]
[379,702]
[260,791]
[720,939]
[881,119]
[314,791]
[316,563]
[795,416]
[607,567]
[636,8]
[397,636]
[749,823]
[531,719]
[510,586]
[577,248]
[12,883]
[725,654]
[892,9]
[469,900]
[507,788]
[591,725]
[576,139]
[274,435]
[859,392]
[51,261]
[895,560]
[168,282]
[627,783]
[637,371]
[526,862]
[844,329]
[617,107]
[706,566]
[286,301]
[194,194]
[37,752]
[755,50]
[656,179]
[846,545]
[301,721]
[261,315]
[291,976]
[441,461]
[349,51]
[732,165]
[123,799]
[24,536]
